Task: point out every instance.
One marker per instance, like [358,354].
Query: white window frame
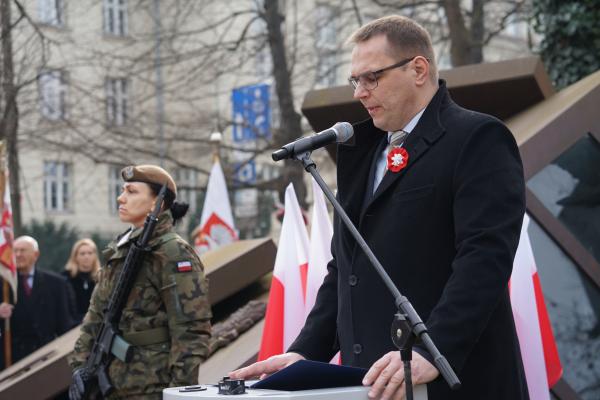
[57,186]
[53,94]
[51,12]
[115,17]
[117,101]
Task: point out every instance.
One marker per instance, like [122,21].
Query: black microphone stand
[407,325]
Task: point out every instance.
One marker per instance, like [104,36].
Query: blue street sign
[251,112]
[251,121]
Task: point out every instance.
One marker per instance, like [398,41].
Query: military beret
[149,174]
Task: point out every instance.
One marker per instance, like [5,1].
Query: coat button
[356,348]
[352,280]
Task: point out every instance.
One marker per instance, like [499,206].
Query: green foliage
[101,243]
[55,243]
[194,217]
[570,46]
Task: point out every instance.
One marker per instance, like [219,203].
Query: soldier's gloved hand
[77,388]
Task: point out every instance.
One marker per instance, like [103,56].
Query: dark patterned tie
[25,284]
[396,140]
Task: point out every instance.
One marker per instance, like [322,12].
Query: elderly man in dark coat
[43,309]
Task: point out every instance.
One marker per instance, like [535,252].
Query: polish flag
[285,310]
[8,270]
[216,223]
[321,232]
[538,348]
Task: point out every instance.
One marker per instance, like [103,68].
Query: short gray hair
[30,240]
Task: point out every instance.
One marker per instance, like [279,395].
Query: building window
[326,45]
[115,185]
[116,101]
[53,92]
[51,12]
[187,187]
[115,17]
[57,186]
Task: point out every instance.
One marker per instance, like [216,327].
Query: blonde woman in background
[81,272]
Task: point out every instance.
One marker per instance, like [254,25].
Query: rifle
[109,343]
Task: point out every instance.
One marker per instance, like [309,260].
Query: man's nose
[360,92]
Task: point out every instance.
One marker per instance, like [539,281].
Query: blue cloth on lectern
[306,375]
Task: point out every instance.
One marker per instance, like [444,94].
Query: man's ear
[421,66]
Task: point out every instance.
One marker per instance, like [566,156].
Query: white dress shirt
[381,166]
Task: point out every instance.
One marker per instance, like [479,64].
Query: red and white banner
[321,233]
[538,348]
[285,313]
[8,270]
[216,223]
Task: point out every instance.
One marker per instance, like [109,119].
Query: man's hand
[264,368]
[387,375]
[6,310]
[77,388]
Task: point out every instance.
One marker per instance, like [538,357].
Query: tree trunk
[290,120]
[477,31]
[9,123]
[460,40]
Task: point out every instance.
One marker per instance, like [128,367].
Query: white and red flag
[216,223]
[8,270]
[285,313]
[538,348]
[321,233]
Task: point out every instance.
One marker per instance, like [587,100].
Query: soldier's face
[135,202]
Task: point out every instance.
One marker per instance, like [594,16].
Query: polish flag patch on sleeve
[184,266]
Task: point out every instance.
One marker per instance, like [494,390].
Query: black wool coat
[445,228]
[41,317]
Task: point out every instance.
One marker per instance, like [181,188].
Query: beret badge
[128,172]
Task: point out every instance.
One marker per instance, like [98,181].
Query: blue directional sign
[252,121]
[251,112]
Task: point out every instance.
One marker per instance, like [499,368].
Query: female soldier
[167,315]
[81,273]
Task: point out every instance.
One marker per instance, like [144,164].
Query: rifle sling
[148,337]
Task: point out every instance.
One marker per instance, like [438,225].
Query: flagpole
[216,138]
[5,287]
[7,331]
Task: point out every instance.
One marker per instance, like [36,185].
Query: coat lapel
[358,156]
[38,286]
[426,133]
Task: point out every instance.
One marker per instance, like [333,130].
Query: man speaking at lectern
[438,193]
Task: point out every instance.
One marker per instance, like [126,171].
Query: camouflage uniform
[166,293]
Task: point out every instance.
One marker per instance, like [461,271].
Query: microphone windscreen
[344,131]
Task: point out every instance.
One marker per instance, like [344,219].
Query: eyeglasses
[368,80]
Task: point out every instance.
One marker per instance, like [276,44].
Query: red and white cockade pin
[397,159]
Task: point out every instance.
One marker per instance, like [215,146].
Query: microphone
[340,132]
